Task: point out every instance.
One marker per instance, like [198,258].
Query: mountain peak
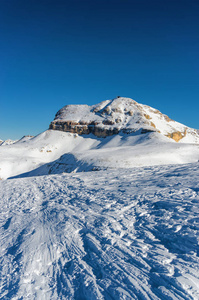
[121,114]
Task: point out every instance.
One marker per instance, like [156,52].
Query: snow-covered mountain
[128,231]
[112,134]
[11,142]
[7,142]
[120,115]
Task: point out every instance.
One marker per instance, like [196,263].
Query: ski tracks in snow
[116,234]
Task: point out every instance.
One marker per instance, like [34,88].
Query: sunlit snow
[86,217]
[113,234]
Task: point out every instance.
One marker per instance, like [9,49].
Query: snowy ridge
[25,138]
[11,142]
[7,142]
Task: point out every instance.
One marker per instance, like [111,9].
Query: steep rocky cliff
[120,115]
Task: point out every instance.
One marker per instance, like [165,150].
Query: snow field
[112,234]
[54,152]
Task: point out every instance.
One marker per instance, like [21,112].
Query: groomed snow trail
[116,234]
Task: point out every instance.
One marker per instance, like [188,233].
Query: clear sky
[56,52]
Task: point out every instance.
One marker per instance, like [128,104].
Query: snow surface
[112,234]
[56,152]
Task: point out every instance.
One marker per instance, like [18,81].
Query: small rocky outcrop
[177,135]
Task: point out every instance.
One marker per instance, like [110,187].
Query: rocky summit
[121,114]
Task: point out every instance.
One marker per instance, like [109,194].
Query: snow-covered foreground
[114,234]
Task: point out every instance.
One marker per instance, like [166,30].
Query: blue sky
[54,53]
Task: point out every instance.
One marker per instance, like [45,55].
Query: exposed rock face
[177,135]
[85,128]
[118,115]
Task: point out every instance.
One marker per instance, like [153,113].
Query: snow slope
[55,152]
[30,154]
[112,234]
